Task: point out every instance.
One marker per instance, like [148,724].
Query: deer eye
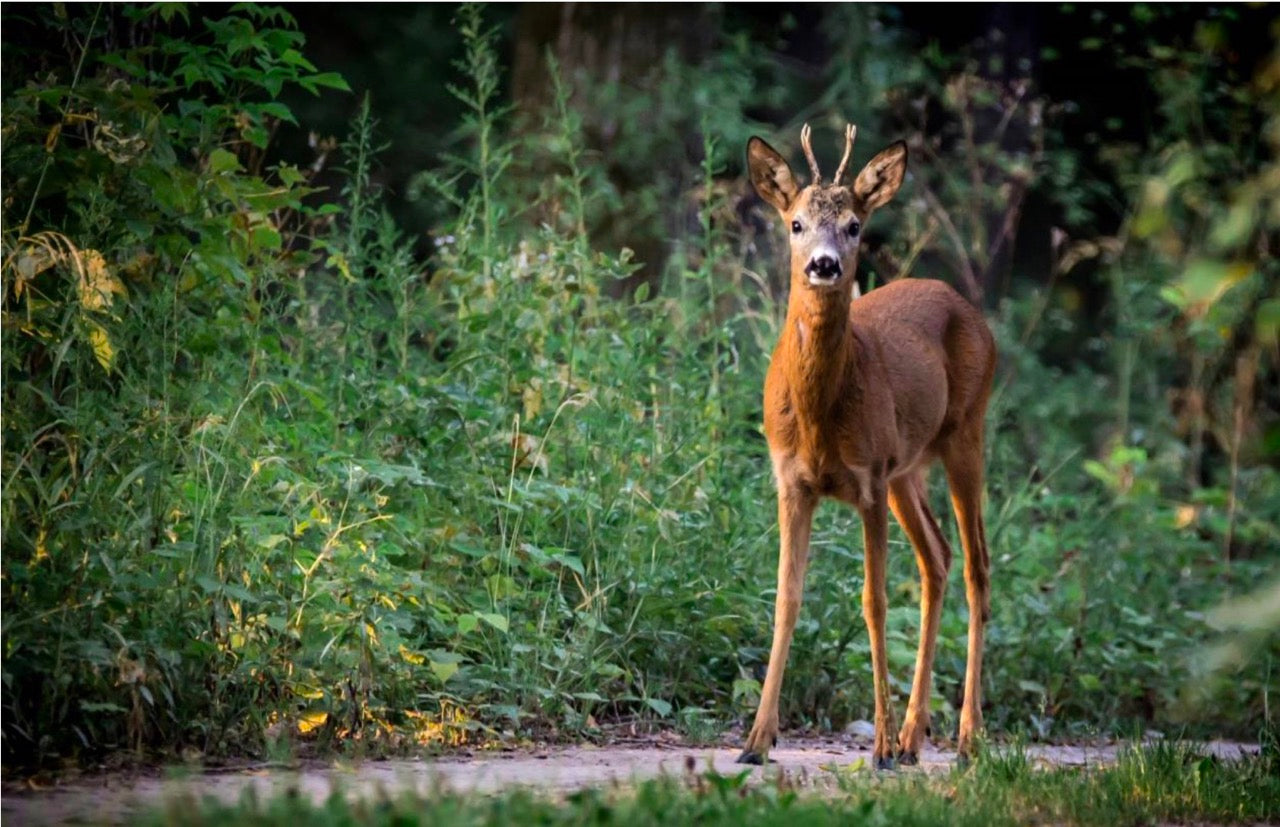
[795,227]
[854,229]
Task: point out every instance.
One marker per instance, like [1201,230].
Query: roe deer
[861,396]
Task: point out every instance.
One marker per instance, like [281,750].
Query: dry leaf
[96,282]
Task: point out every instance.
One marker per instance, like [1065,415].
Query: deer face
[825,222]
[825,231]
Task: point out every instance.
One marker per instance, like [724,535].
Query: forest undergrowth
[271,478]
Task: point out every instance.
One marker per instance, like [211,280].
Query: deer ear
[882,176]
[771,175]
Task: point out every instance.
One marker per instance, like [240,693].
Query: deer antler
[850,132]
[808,153]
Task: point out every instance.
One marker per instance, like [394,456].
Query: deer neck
[820,349]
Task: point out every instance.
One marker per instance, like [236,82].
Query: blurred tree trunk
[603,43]
[603,50]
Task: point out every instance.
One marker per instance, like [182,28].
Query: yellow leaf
[412,657]
[42,551]
[96,283]
[340,261]
[312,721]
[51,139]
[1185,515]
[102,348]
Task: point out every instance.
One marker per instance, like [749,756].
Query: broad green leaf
[1236,228]
[497,621]
[1205,281]
[443,671]
[289,175]
[259,136]
[97,706]
[220,161]
[278,110]
[571,562]
[467,623]
[332,80]
[266,237]
[238,592]
[294,58]
[209,584]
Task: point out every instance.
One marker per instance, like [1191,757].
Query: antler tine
[808,153]
[850,133]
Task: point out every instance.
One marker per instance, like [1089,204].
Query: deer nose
[823,267]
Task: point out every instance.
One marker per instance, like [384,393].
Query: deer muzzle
[823,270]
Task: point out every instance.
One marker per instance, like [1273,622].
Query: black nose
[824,267]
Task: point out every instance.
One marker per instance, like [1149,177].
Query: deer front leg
[875,530]
[795,517]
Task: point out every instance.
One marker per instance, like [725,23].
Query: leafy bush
[145,242]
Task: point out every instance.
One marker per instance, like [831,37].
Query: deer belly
[852,485]
[827,478]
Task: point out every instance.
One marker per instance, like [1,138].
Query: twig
[967,273]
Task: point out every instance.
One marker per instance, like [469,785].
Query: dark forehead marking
[828,203]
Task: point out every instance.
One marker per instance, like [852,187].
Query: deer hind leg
[963,461]
[875,529]
[795,518]
[908,499]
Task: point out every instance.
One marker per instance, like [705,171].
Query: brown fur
[861,397]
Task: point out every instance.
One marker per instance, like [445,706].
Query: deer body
[860,398]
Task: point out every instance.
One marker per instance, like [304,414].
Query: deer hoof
[909,759]
[885,762]
[750,757]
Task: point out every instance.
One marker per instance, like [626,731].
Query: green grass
[1151,785]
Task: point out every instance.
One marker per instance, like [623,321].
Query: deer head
[825,220]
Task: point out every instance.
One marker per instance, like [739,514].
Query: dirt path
[114,799]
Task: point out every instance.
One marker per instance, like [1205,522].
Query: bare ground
[114,798]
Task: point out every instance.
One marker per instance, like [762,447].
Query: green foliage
[268,477]
[145,240]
